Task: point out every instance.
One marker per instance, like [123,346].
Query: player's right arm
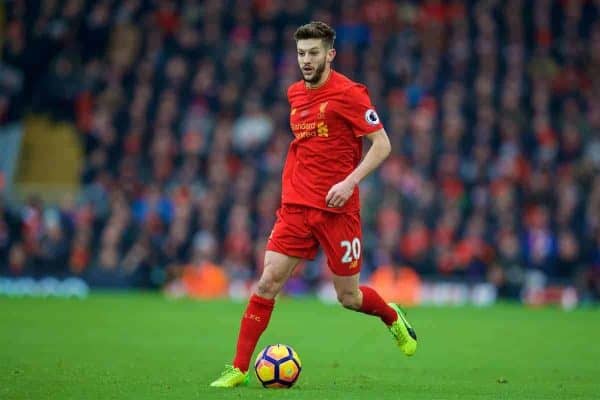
[379,151]
[361,116]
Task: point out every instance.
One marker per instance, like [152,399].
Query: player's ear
[331,54]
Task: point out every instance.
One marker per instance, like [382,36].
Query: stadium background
[141,143]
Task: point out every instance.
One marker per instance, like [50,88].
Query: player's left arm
[378,152]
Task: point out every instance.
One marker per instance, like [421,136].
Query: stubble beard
[318,74]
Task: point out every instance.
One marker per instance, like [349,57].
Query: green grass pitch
[142,346]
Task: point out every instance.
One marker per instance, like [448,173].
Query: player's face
[313,58]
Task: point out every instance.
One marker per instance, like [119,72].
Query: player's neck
[322,81]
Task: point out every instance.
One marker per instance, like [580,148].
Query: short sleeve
[358,111]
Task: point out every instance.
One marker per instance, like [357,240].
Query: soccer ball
[277,366]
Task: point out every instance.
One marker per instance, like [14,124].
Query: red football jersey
[327,123]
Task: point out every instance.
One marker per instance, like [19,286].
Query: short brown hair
[316,30]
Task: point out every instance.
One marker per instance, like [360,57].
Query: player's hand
[340,193]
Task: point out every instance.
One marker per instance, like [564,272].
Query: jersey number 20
[352,250]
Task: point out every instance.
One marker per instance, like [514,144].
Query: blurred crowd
[492,107]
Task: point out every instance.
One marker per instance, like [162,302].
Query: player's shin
[373,304]
[254,322]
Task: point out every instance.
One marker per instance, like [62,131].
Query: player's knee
[266,289]
[349,300]
[269,285]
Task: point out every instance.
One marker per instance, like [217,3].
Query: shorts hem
[271,245]
[345,273]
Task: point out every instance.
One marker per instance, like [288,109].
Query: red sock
[373,304]
[254,322]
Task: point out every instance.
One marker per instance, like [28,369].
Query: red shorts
[299,230]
